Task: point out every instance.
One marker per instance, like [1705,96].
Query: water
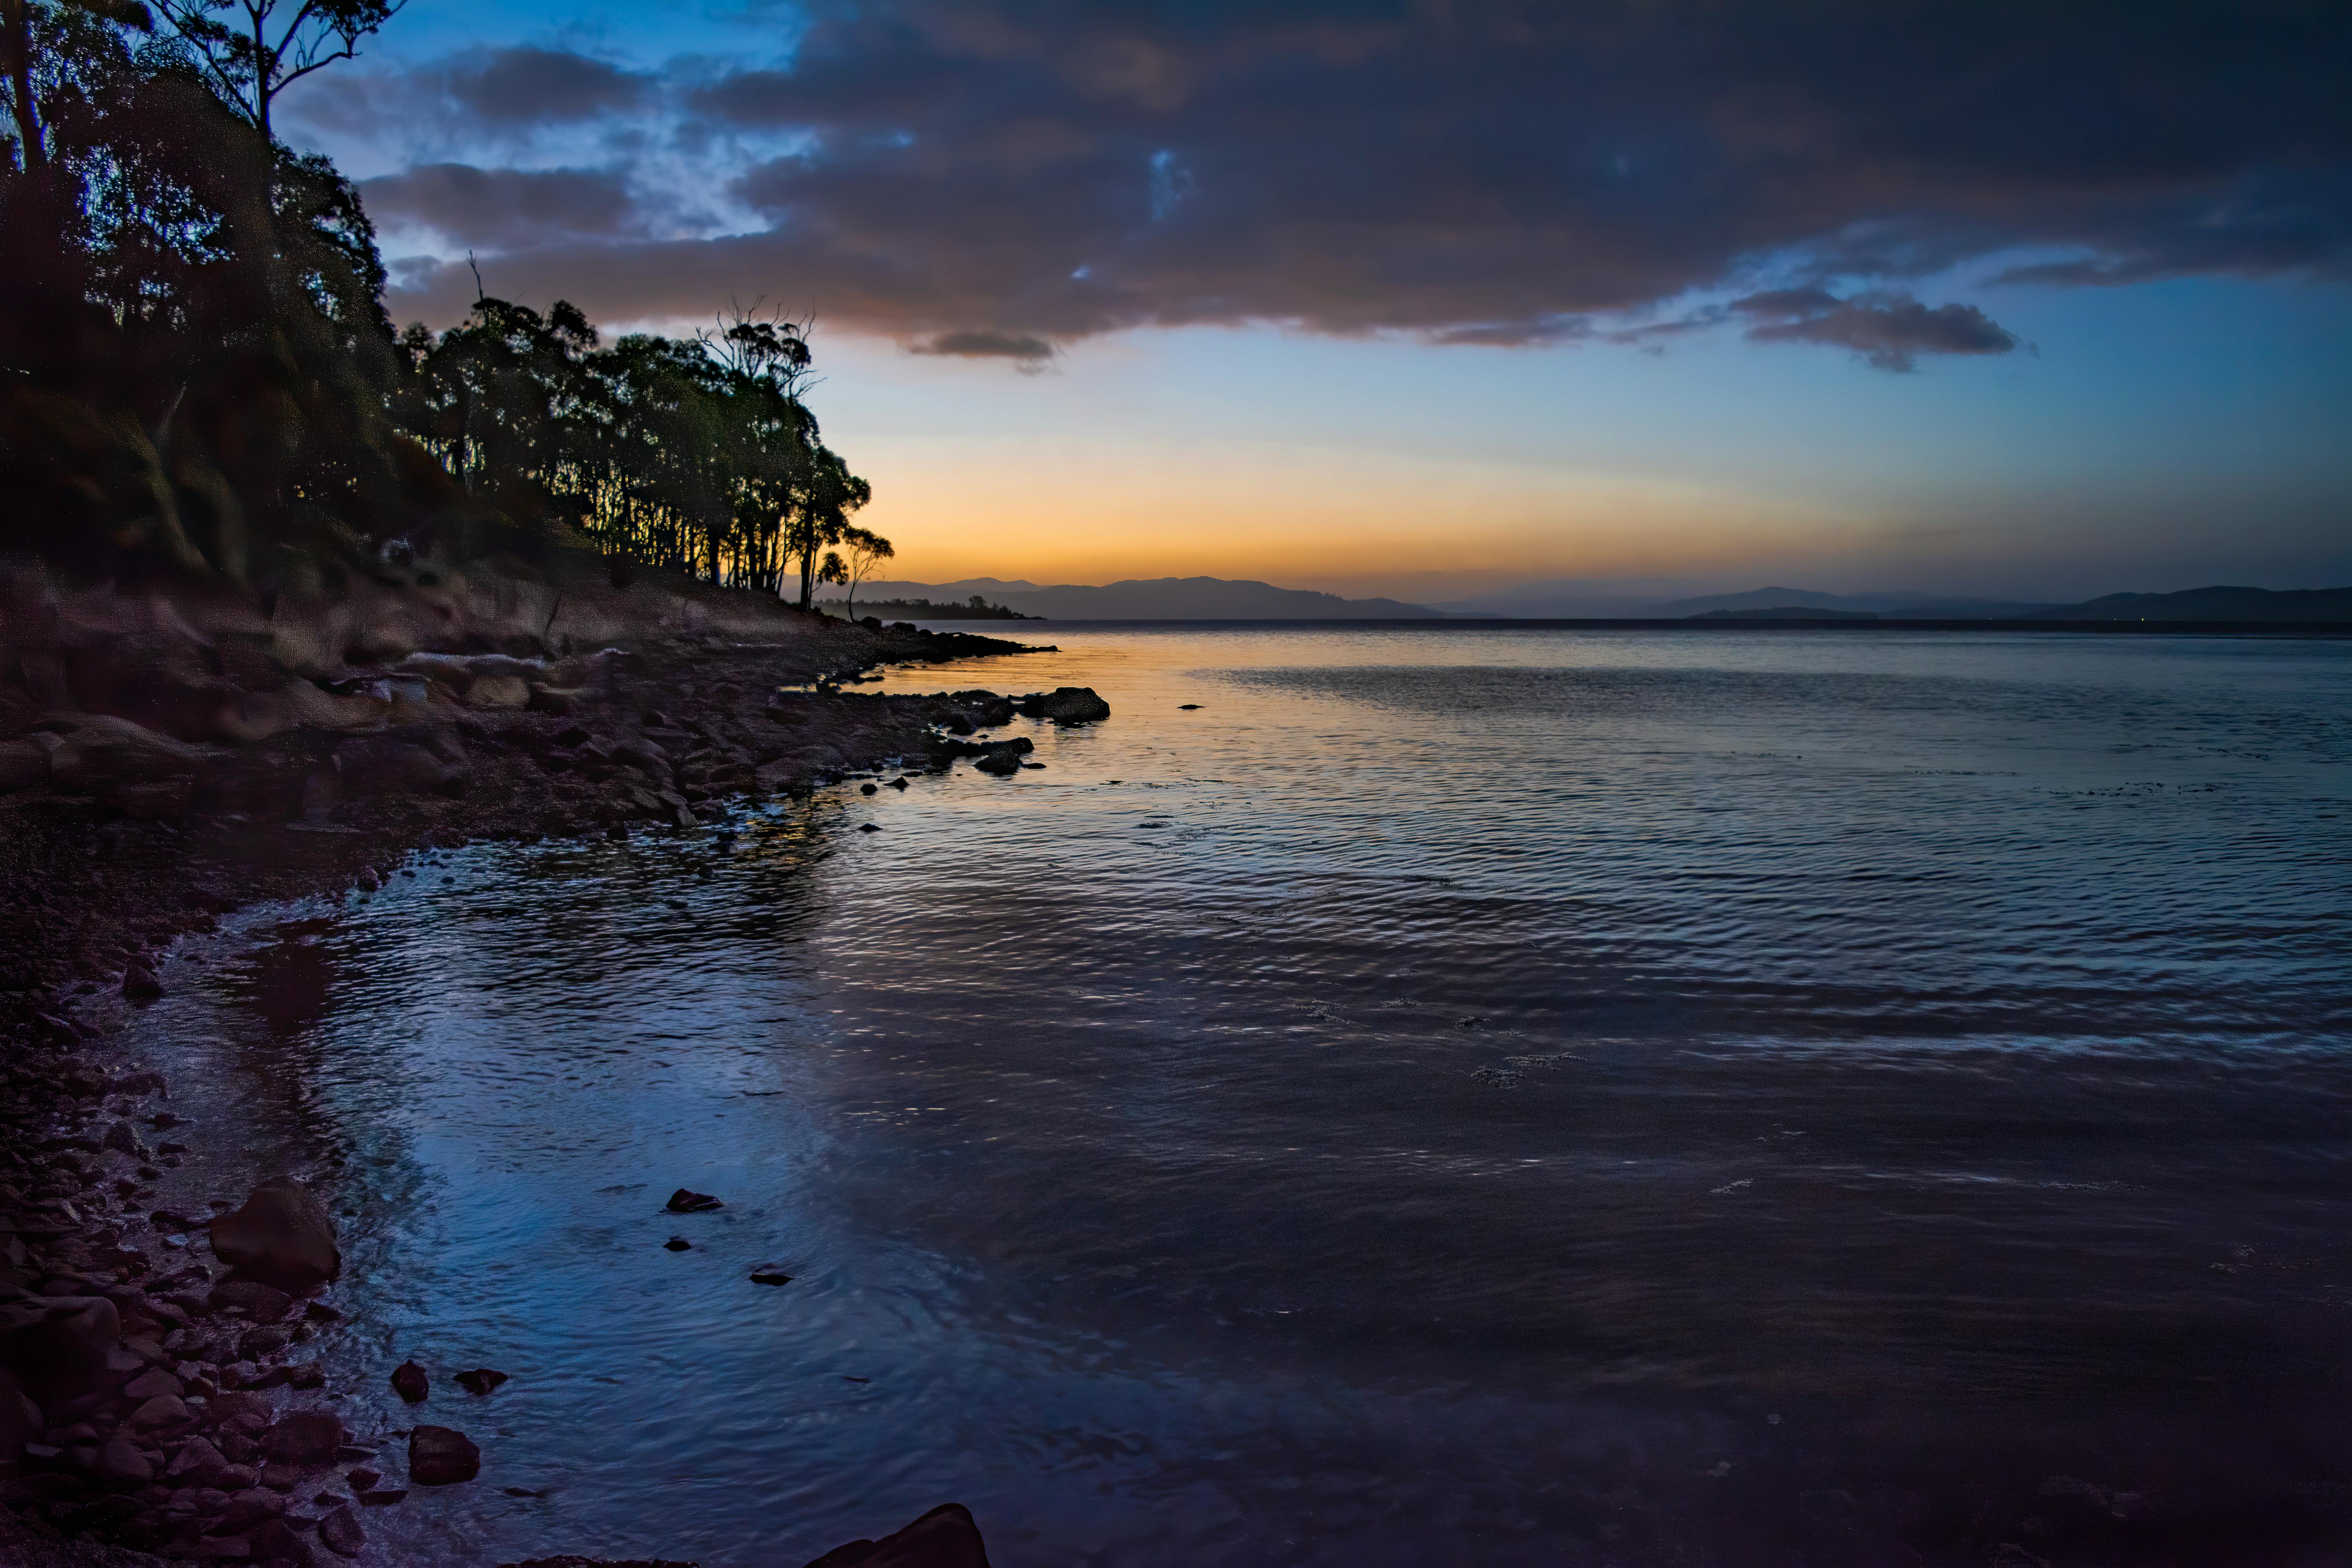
[1510,1097]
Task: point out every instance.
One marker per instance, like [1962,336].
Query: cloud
[1888,330]
[982,344]
[1512,172]
[504,208]
[499,95]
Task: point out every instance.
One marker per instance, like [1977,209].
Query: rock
[409,1382]
[20,1420]
[57,1346]
[769,1274]
[898,783]
[677,1244]
[1188,707]
[867,789]
[163,1412]
[140,983]
[439,1457]
[868,828]
[152,1381]
[121,1462]
[339,1532]
[946,1537]
[481,1380]
[384,1498]
[1066,705]
[306,1437]
[684,1202]
[1004,764]
[282,1236]
[273,1541]
[197,1463]
[262,1303]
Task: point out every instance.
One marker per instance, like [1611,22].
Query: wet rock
[140,983]
[1003,763]
[677,1244]
[262,1303]
[946,1537]
[867,789]
[769,1274]
[273,1541]
[868,827]
[898,783]
[154,1381]
[339,1532]
[480,1380]
[384,1498]
[306,1437]
[1188,707]
[164,1413]
[1066,705]
[57,1346]
[283,1237]
[684,1202]
[409,1382]
[439,1456]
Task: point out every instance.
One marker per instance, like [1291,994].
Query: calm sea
[1386,1096]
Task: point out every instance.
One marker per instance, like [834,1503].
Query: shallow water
[1520,1097]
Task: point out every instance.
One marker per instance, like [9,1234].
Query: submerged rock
[441,1457]
[1066,705]
[684,1202]
[946,1537]
[769,1274]
[480,1380]
[283,1238]
[409,1382]
[306,1437]
[677,1244]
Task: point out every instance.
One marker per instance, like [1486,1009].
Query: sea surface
[1384,1097]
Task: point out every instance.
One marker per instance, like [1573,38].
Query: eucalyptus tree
[252,50]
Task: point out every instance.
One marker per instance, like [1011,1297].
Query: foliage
[197,374]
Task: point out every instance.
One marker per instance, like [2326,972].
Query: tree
[17,49]
[268,46]
[865,548]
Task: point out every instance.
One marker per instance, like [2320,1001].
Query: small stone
[898,783]
[1187,707]
[340,1533]
[866,789]
[480,1380]
[363,1479]
[677,1244]
[868,828]
[770,1275]
[409,1382]
[152,1381]
[684,1202]
[440,1457]
[164,1411]
[384,1499]
[140,983]
[309,1375]
[262,1303]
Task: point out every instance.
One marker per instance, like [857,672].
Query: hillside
[2217,603]
[1158,599]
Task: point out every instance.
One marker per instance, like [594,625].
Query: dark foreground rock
[946,1537]
[1066,705]
[282,1237]
[409,1382]
[441,1457]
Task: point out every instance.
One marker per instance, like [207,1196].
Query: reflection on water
[1510,1097]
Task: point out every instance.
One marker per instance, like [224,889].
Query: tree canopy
[197,373]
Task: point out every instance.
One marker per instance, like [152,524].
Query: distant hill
[1158,599]
[2210,604]
[1572,599]
[1787,613]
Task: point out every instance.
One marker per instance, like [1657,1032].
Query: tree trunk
[19,24]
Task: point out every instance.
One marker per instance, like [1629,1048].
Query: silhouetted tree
[865,548]
[264,47]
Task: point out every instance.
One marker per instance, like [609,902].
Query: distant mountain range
[1158,599]
[1225,599]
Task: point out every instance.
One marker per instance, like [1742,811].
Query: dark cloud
[1890,330]
[504,208]
[494,93]
[988,345]
[1509,171]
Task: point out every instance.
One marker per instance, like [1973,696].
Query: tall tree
[17,49]
[865,548]
[264,47]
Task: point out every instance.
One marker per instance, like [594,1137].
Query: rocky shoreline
[153,1404]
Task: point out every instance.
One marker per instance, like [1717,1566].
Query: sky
[1426,298]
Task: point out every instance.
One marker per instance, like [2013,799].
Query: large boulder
[282,1237]
[946,1537]
[57,1346]
[1066,705]
[440,1457]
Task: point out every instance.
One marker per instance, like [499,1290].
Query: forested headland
[199,380]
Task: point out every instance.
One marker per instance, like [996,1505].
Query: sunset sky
[1419,299]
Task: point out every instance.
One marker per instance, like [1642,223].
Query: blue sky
[1756,321]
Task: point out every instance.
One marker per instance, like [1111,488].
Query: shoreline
[141,1444]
